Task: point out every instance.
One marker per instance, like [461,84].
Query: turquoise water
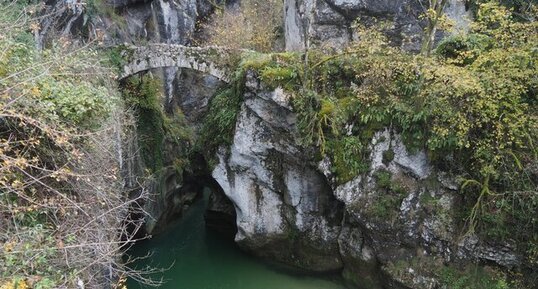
[203,259]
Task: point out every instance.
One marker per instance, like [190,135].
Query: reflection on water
[203,259]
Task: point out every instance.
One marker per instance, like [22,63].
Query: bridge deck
[210,60]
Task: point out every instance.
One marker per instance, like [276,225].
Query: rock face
[220,213]
[401,210]
[285,209]
[62,18]
[154,21]
[328,23]
[162,23]
[175,190]
[389,228]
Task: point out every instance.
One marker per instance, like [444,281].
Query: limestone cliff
[329,23]
[285,208]
[386,228]
[390,227]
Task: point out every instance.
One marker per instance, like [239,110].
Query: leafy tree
[433,13]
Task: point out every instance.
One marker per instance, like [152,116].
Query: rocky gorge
[290,209]
[395,223]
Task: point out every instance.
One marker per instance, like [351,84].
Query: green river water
[203,259]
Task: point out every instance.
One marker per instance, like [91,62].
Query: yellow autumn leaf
[35,91]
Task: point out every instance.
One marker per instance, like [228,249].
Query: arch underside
[167,55]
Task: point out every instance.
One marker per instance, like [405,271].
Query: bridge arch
[209,60]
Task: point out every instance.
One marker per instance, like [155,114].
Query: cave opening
[198,250]
[199,186]
[194,222]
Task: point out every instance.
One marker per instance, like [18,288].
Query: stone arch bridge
[211,60]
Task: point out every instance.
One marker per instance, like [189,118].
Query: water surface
[203,259]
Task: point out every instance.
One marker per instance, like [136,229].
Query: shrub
[473,277]
[63,208]
[219,124]
[254,25]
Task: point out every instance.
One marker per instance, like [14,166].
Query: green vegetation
[472,106]
[451,277]
[118,56]
[348,155]
[473,277]
[390,194]
[159,133]
[142,93]
[219,124]
[62,201]
[388,156]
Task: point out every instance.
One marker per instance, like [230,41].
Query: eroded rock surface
[389,227]
[285,209]
[186,92]
[328,23]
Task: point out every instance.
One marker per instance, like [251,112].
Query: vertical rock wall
[285,209]
[186,93]
[288,209]
[328,23]
[390,227]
